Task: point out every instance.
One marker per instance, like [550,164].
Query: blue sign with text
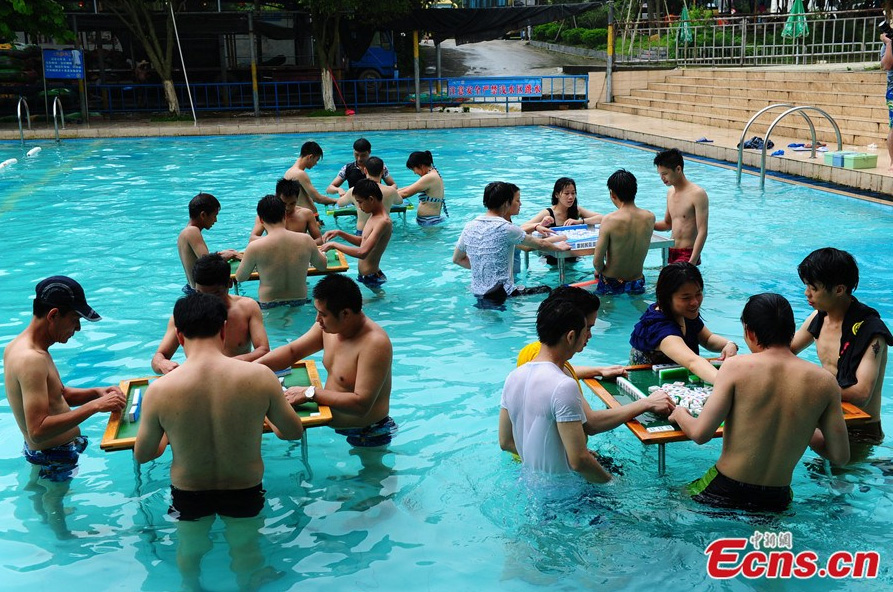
[63,63]
[495,87]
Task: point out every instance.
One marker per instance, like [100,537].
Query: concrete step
[740,86]
[795,128]
[838,106]
[860,77]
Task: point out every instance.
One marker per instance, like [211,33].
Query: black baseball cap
[60,290]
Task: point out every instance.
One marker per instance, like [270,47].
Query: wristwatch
[310,393]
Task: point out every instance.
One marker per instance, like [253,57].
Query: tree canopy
[33,17]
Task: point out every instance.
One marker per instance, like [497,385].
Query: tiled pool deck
[646,130]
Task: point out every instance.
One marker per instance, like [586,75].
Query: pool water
[442,508]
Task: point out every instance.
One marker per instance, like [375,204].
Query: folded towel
[777,153]
[704,140]
[796,146]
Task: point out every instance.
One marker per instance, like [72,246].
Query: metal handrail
[782,116]
[754,118]
[58,103]
[19,113]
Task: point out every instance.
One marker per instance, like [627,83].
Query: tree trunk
[328,97]
[173,104]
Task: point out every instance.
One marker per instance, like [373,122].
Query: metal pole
[609,65]
[183,64]
[253,65]
[415,66]
[439,73]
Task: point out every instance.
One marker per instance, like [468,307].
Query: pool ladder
[24,102]
[58,113]
[789,109]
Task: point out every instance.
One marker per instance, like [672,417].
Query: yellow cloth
[532,350]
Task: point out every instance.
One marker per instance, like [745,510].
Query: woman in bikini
[564,211]
[429,187]
[671,330]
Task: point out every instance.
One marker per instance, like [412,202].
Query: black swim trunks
[715,489]
[233,503]
[377,434]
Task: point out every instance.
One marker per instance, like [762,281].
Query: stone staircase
[728,98]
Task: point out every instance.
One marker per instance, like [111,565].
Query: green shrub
[595,38]
[573,36]
[546,32]
[594,19]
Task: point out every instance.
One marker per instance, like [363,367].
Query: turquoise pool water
[442,509]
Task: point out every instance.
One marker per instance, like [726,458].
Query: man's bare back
[623,241]
[282,259]
[778,401]
[190,245]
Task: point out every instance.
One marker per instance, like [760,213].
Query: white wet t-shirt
[538,396]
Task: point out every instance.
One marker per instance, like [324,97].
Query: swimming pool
[442,509]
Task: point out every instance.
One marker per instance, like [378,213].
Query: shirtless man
[771,402]
[357,355]
[244,324]
[687,209]
[373,168]
[282,259]
[211,411]
[310,155]
[623,240]
[353,171]
[370,246]
[297,219]
[851,339]
[203,210]
[41,404]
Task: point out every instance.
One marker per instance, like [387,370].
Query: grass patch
[162,117]
[324,113]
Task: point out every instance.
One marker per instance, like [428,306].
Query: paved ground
[501,57]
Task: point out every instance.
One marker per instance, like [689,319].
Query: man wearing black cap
[41,404]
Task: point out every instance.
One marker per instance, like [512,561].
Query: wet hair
[199,315]
[623,184]
[203,202]
[417,159]
[338,292]
[362,145]
[829,267]
[42,309]
[367,189]
[669,159]
[771,319]
[498,193]
[374,166]
[287,188]
[211,270]
[573,212]
[271,209]
[671,278]
[311,149]
[554,319]
[585,300]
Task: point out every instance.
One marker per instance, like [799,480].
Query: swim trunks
[715,489]
[866,433]
[278,303]
[59,463]
[429,220]
[233,503]
[188,290]
[377,434]
[681,255]
[611,287]
[373,280]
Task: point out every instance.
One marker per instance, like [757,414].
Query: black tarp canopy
[470,25]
